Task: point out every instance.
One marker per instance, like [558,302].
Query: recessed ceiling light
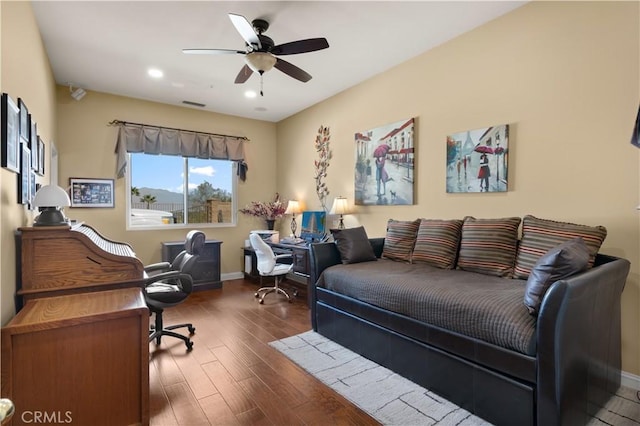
[155,73]
[250,94]
[260,109]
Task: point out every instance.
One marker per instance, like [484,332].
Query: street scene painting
[384,167]
[478,160]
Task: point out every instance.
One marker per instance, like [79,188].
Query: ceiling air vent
[198,104]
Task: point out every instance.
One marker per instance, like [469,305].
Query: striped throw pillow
[541,235]
[400,238]
[488,246]
[437,242]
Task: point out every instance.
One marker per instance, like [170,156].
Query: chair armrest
[284,255]
[154,267]
[169,275]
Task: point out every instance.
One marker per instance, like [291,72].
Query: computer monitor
[313,226]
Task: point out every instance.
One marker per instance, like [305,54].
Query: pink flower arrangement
[269,210]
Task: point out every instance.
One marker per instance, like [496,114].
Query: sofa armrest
[321,256]
[579,342]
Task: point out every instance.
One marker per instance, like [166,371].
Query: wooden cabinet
[206,274]
[79,359]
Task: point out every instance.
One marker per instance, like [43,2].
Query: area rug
[384,395]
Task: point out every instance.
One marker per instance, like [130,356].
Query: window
[167,190]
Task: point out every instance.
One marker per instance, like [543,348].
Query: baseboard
[630,380]
[232,276]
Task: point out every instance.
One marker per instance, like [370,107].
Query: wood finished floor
[232,376]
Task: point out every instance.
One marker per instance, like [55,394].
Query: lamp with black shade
[50,200]
[293,208]
[341,207]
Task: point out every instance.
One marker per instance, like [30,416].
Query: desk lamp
[341,207]
[293,208]
[50,199]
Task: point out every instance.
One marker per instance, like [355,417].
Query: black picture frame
[33,186]
[10,134]
[33,145]
[635,137]
[25,120]
[40,157]
[24,180]
[86,192]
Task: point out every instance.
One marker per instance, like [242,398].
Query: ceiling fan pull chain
[261,93]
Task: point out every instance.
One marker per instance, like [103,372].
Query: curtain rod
[118,122]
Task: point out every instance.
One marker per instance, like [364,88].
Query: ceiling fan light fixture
[260,62]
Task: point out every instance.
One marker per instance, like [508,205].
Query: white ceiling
[107,46]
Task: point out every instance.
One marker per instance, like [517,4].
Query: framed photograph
[384,168]
[33,186]
[10,134]
[313,226]
[91,192]
[24,181]
[25,125]
[478,160]
[33,145]
[41,157]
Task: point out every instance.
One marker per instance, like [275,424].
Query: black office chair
[169,284]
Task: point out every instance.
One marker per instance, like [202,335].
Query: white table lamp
[341,207]
[50,199]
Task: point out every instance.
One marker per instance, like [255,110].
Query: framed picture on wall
[41,156]
[10,134]
[24,180]
[385,166]
[91,192]
[33,145]
[478,160]
[25,118]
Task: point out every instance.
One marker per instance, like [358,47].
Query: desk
[299,258]
[80,359]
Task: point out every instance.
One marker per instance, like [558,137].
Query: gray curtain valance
[133,137]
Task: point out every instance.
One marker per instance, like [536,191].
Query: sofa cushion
[437,242]
[540,235]
[488,246]
[400,239]
[560,262]
[353,245]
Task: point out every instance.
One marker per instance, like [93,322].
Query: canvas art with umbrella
[384,166]
[477,160]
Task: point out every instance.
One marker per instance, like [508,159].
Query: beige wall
[565,76]
[26,74]
[86,149]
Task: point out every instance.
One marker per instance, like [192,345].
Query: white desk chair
[268,266]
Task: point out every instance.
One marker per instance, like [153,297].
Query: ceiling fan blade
[300,46]
[212,51]
[292,71]
[246,30]
[243,75]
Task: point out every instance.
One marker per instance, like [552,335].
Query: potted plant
[267,210]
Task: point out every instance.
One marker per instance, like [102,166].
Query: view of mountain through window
[168,189]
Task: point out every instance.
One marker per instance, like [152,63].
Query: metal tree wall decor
[322,164]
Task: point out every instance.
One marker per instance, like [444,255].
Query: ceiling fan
[261,51]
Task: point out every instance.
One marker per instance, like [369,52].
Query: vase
[270,223]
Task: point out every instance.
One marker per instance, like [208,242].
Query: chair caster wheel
[261,301]
[191,330]
[189,345]
[256,294]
